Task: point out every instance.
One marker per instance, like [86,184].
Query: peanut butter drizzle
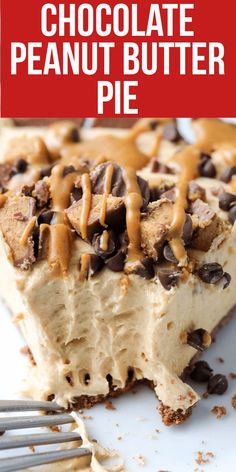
[61,187]
[86,204]
[3,199]
[27,231]
[188,161]
[156,148]
[133,203]
[59,250]
[59,234]
[104,241]
[211,133]
[84,266]
[107,191]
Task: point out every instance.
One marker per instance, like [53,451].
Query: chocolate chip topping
[232,215]
[118,186]
[168,277]
[226,280]
[109,250]
[46,172]
[68,170]
[211,273]
[201,372]
[171,133]
[76,194]
[226,200]
[158,167]
[75,136]
[168,254]
[217,384]
[46,217]
[20,166]
[116,263]
[227,174]
[187,230]
[206,167]
[144,268]
[200,339]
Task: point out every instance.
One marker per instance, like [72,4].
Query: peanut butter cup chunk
[155,226]
[207,225]
[17,231]
[115,215]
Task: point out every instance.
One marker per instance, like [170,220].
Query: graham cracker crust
[169,416]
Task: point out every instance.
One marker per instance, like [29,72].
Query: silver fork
[7,423]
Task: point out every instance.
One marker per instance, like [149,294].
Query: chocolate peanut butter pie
[117,254]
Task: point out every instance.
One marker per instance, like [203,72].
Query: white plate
[136,421]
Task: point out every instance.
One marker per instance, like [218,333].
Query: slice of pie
[117,254]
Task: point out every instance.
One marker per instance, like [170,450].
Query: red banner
[74,59]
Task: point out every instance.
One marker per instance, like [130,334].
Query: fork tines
[11,464]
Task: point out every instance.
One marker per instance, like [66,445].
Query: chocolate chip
[210,273]
[195,191]
[104,252]
[226,200]
[118,186]
[226,280]
[200,339]
[187,230]
[27,190]
[46,217]
[227,174]
[46,172]
[168,254]
[168,277]
[145,269]
[68,170]
[201,372]
[116,263]
[153,124]
[158,167]
[171,133]
[20,166]
[232,215]
[76,194]
[75,137]
[206,167]
[217,384]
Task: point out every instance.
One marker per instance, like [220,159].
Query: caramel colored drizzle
[133,203]
[84,266]
[59,247]
[86,204]
[188,160]
[107,191]
[156,148]
[61,187]
[104,241]
[27,231]
[3,199]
